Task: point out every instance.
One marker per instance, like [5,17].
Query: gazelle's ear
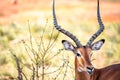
[97,45]
[67,45]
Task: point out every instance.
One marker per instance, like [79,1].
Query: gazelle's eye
[78,54]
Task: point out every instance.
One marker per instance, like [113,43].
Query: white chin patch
[80,70]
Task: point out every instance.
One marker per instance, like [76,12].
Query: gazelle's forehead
[84,49]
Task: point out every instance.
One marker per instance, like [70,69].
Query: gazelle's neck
[81,75]
[96,74]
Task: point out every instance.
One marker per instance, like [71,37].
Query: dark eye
[78,54]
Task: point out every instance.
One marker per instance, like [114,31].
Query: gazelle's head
[82,53]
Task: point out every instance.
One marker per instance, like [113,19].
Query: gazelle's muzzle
[90,70]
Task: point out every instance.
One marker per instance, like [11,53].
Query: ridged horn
[94,36]
[67,33]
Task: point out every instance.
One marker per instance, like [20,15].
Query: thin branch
[20,77]
[33,74]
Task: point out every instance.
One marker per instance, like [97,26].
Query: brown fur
[111,72]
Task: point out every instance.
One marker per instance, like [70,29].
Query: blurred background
[26,27]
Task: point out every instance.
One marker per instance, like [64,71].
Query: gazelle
[84,70]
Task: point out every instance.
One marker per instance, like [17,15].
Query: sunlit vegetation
[28,44]
[32,41]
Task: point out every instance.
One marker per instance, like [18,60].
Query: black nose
[90,70]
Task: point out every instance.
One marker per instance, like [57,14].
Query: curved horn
[77,42]
[94,36]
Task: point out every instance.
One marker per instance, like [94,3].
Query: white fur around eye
[91,54]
